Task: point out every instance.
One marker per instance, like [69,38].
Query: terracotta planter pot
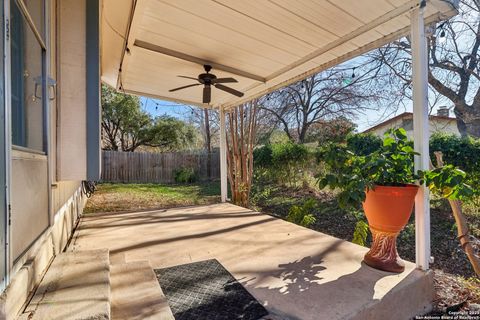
[388,210]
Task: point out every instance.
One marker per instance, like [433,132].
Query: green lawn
[126,197]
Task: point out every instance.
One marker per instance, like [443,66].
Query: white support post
[421,134]
[223,156]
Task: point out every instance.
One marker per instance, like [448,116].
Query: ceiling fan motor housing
[206,78]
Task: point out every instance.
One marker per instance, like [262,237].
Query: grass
[127,197]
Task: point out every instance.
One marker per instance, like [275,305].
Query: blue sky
[160,107]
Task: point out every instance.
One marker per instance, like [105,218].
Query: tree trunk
[208,144]
[468,120]
[461,126]
[241,130]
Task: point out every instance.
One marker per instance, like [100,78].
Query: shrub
[460,152]
[289,160]
[463,153]
[363,143]
[262,156]
[284,163]
[302,215]
[185,175]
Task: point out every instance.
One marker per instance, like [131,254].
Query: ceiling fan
[208,80]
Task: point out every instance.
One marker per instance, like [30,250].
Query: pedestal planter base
[383,254]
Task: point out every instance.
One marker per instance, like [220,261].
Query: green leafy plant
[360,233]
[302,215]
[464,153]
[352,174]
[448,182]
[391,165]
[185,175]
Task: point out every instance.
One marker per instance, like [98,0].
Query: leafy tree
[121,115]
[125,126]
[169,133]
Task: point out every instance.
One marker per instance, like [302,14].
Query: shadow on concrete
[299,290]
[153,218]
[145,244]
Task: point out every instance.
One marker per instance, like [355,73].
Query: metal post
[421,133]
[223,156]
[5,142]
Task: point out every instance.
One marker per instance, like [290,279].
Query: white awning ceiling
[264,44]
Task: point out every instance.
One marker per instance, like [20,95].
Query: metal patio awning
[264,44]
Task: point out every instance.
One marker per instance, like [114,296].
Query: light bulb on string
[442,38]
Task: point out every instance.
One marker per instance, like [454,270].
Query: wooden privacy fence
[144,167]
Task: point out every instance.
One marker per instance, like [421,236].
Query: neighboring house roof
[407,115]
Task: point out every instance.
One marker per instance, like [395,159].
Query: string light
[442,37]
[347,81]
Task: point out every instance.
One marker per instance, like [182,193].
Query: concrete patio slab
[136,294]
[76,286]
[297,273]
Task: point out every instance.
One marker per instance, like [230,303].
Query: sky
[160,107]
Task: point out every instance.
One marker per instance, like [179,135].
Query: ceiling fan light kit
[208,80]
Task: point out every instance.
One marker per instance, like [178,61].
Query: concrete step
[136,293]
[76,286]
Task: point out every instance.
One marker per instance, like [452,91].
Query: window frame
[44,73]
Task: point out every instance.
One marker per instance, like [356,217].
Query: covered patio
[265,45]
[150,47]
[296,273]
[105,269]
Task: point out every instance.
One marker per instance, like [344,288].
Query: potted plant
[384,184]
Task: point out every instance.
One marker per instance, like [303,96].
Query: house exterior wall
[46,194]
[71,142]
[448,126]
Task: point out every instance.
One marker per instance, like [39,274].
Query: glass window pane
[27,70]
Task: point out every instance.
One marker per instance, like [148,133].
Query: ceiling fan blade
[184,87]
[225,80]
[207,94]
[229,90]
[188,77]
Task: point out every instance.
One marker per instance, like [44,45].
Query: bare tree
[206,120]
[200,118]
[241,131]
[338,92]
[453,73]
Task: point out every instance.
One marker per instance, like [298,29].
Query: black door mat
[205,290]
